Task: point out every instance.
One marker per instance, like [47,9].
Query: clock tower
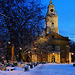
[51,20]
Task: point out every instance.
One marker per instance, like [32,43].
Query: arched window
[52,24]
[51,10]
[52,36]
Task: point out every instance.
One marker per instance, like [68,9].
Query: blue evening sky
[66,13]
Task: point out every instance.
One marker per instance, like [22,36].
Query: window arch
[51,10]
[52,36]
[52,24]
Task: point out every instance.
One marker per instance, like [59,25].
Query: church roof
[57,36]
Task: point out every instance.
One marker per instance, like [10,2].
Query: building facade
[51,47]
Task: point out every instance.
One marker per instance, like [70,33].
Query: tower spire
[51,2]
[51,19]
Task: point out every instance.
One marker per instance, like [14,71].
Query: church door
[53,59]
[34,58]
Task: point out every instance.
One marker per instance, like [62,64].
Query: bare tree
[20,21]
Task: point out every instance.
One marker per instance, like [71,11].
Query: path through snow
[46,69]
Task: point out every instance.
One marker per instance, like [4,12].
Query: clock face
[51,10]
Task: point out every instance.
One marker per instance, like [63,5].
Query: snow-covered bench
[35,64]
[10,68]
[2,67]
[26,67]
[44,62]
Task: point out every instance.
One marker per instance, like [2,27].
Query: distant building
[51,47]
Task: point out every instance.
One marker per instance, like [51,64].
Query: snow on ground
[46,69]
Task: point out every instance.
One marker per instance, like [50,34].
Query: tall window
[52,24]
[53,47]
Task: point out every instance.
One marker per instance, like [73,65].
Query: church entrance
[34,58]
[53,59]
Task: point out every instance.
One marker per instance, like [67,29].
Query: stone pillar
[67,53]
[48,57]
[58,56]
[69,57]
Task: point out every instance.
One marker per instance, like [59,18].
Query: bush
[38,62]
[15,64]
[74,64]
[35,64]
[26,68]
[2,68]
[12,69]
[31,66]
[43,62]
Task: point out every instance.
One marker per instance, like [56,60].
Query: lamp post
[72,54]
[35,57]
[8,51]
[41,56]
[20,54]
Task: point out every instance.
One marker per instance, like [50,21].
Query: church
[51,47]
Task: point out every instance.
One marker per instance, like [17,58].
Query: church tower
[51,20]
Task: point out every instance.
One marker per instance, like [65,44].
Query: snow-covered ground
[46,69]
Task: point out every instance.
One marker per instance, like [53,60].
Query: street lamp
[20,54]
[72,58]
[8,55]
[72,53]
[20,48]
[53,53]
[9,42]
